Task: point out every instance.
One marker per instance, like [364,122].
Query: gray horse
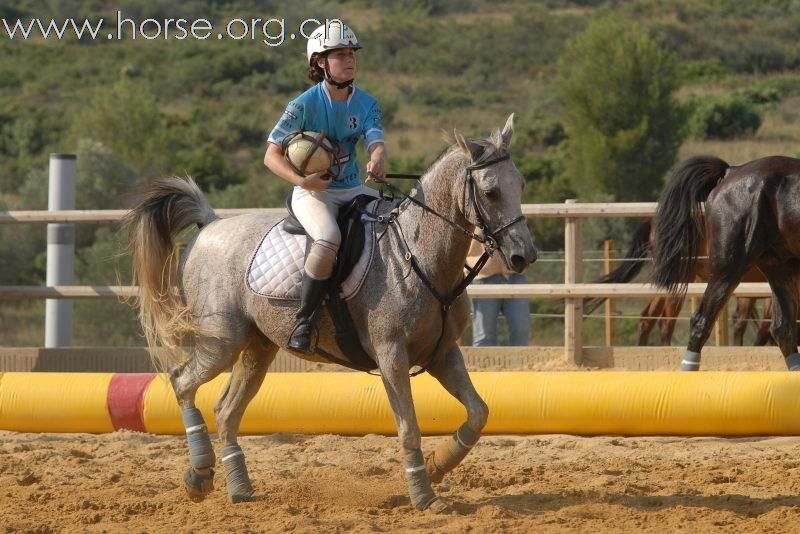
[201,301]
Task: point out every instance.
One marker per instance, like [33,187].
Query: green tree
[617,86]
[107,322]
[125,118]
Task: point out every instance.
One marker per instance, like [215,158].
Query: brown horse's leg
[246,378]
[649,318]
[745,307]
[451,372]
[208,358]
[763,336]
[672,309]
[718,291]
[783,279]
[393,365]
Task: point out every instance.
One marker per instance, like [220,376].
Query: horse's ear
[508,131]
[472,149]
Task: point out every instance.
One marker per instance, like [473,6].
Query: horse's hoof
[434,473]
[244,497]
[198,484]
[440,506]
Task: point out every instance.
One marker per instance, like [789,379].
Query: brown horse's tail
[632,264]
[679,225]
[162,210]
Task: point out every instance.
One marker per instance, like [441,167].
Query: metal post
[573,274]
[608,259]
[60,250]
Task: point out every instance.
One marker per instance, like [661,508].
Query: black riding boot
[310,298]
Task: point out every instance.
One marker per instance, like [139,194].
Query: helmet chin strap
[330,80]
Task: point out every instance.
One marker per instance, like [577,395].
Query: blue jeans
[486,311]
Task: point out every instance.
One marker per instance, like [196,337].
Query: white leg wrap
[201,453]
[419,486]
[691,361]
[793,361]
[236,477]
[450,453]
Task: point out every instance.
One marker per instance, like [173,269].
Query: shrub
[725,118]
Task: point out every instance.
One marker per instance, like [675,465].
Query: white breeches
[317,212]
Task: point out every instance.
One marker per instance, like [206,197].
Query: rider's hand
[376,169]
[319,181]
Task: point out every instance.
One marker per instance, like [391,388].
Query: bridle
[488,237]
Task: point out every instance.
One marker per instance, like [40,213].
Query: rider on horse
[345,113]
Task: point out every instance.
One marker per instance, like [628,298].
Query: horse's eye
[492,193]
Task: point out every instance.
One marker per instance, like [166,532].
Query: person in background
[486,311]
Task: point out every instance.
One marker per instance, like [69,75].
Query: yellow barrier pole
[55,402]
[627,403]
[583,403]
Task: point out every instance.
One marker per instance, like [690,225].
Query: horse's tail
[679,224]
[632,264]
[162,210]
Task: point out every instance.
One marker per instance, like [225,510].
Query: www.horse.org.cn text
[268,31]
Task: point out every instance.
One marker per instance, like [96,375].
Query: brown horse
[750,220]
[664,310]
[747,314]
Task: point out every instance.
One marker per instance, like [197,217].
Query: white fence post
[573,274]
[60,250]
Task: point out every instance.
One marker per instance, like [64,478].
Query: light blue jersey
[343,122]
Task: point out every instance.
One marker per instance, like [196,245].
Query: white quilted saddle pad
[276,268]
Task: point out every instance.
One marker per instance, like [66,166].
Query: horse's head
[493,196]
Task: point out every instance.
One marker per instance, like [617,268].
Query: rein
[488,239]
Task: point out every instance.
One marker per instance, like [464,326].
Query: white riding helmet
[335,35]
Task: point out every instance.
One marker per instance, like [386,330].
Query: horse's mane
[492,146]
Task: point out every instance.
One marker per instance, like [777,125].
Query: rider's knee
[321,259]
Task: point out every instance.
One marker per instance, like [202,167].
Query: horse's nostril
[518,263]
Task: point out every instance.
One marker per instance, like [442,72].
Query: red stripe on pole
[126,400]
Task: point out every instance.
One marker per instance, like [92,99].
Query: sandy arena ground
[130,482]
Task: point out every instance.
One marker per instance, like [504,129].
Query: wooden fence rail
[572,291]
[541,291]
[532,211]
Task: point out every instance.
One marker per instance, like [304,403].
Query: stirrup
[301,343]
